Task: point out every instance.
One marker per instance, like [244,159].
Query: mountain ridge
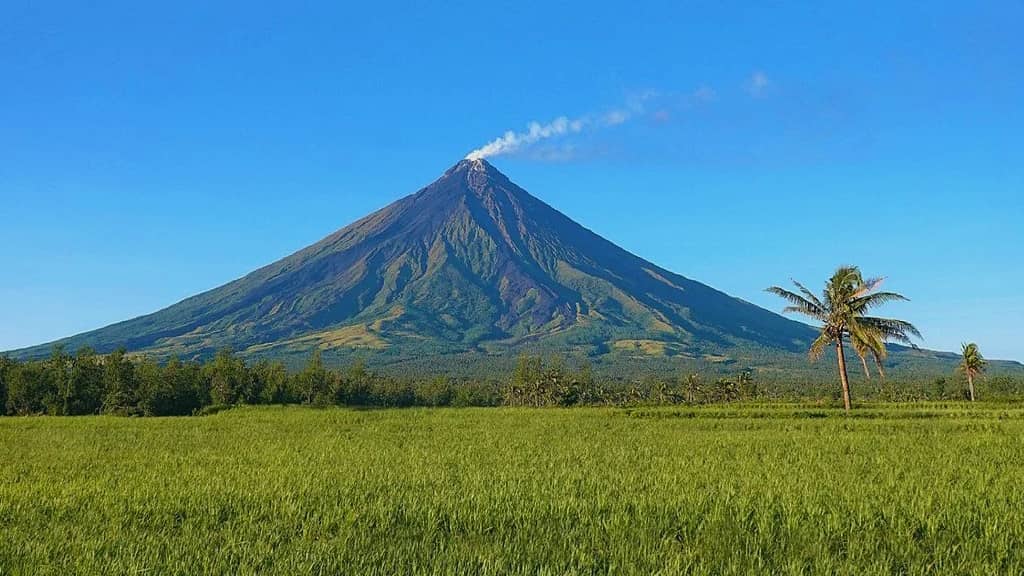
[469,264]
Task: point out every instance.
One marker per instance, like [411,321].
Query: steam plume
[636,106]
[512,141]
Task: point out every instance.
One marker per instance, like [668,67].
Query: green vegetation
[842,311]
[972,365]
[119,384]
[793,489]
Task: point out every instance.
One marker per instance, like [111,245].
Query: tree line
[116,383]
[120,384]
[538,383]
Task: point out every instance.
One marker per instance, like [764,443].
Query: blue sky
[148,152]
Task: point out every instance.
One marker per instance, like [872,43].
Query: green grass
[736,490]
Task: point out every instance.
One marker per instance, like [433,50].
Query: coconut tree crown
[843,311]
[973,363]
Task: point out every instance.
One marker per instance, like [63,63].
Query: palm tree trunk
[864,363]
[970,384]
[842,374]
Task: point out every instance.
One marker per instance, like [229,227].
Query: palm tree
[842,310]
[972,365]
[745,382]
[863,348]
[692,386]
[873,342]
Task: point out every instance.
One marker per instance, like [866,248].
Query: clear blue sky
[148,152]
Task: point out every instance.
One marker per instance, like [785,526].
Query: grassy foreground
[758,489]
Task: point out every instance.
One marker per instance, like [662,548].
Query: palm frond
[818,346]
[806,312]
[892,328]
[807,293]
[866,338]
[847,272]
[846,276]
[868,286]
[800,304]
[871,300]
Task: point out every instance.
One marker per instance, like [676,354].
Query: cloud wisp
[758,83]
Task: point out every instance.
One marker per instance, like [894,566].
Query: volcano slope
[468,271]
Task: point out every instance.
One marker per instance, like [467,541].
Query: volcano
[472,264]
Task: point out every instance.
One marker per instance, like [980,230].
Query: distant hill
[469,271]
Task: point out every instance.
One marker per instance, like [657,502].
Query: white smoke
[637,106]
[535,132]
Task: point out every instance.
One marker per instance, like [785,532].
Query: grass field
[737,490]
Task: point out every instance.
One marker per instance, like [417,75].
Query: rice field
[921,489]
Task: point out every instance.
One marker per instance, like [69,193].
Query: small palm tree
[692,386]
[747,387]
[872,341]
[863,347]
[842,310]
[972,365]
